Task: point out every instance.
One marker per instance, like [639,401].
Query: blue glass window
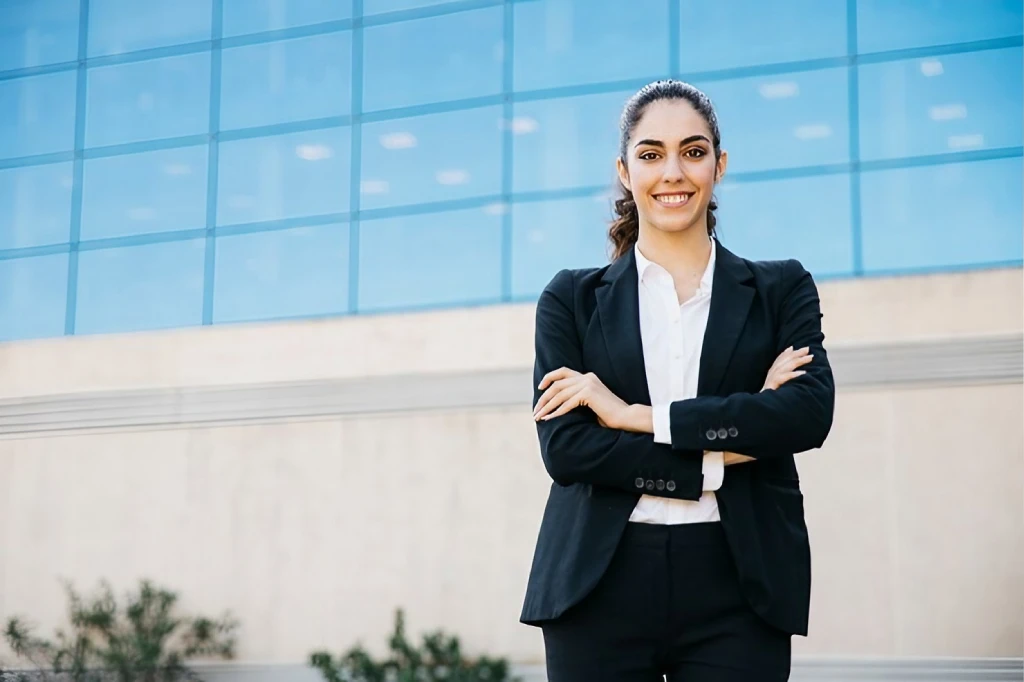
[727,34]
[561,42]
[253,16]
[148,100]
[156,191]
[117,26]
[35,205]
[37,32]
[437,59]
[548,236]
[438,157]
[803,218]
[33,292]
[941,104]
[944,215]
[430,260]
[284,273]
[562,143]
[284,176]
[895,24]
[381,6]
[287,80]
[37,114]
[132,288]
[783,121]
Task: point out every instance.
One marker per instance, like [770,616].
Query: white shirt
[673,336]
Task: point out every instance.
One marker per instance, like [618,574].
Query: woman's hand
[785,367]
[782,370]
[568,389]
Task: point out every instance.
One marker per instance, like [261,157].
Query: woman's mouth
[673,199]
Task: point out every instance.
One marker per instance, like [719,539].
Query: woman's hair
[625,228]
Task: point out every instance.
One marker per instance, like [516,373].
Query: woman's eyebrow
[686,141]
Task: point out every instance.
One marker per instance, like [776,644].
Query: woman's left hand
[568,389]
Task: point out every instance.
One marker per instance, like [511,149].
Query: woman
[672,389]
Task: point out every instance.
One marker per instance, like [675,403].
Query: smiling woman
[653,376]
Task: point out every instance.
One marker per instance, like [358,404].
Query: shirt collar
[706,280]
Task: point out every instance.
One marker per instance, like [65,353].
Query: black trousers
[668,605]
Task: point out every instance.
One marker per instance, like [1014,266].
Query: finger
[793,363]
[558,399]
[555,375]
[571,403]
[552,390]
[785,378]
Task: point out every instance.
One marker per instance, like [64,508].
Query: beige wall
[313,527]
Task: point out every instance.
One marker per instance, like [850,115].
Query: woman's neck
[684,252]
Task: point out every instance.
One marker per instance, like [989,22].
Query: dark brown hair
[625,228]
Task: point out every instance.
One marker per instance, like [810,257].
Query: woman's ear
[623,173]
[723,161]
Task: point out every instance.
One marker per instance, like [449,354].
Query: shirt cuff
[662,424]
[713,468]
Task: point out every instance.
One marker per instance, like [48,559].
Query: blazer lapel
[731,296]
[618,311]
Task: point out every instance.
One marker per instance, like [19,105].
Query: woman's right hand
[786,367]
[782,370]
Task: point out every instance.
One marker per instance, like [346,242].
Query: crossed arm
[609,442]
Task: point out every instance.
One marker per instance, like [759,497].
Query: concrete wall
[312,476]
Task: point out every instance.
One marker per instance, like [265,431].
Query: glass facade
[184,162]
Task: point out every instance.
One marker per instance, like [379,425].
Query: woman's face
[671,168]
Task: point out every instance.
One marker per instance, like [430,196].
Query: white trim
[986,360]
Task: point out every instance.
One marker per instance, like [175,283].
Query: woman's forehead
[670,119]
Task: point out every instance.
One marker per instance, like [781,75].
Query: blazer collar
[619,315]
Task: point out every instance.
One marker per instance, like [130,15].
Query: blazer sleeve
[574,447]
[793,418]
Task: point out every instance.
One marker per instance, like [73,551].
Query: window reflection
[802,119]
[945,215]
[896,24]
[37,114]
[32,296]
[284,176]
[117,26]
[283,273]
[437,59]
[287,80]
[463,265]
[548,236]
[254,16]
[734,33]
[154,286]
[570,142]
[803,218]
[157,191]
[431,158]
[561,42]
[37,32]
[35,205]
[148,100]
[941,104]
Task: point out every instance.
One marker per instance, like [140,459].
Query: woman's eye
[648,156]
[695,153]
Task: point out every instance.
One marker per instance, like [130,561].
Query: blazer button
[722,433]
[711,434]
[670,486]
[650,485]
[733,432]
[639,483]
[660,485]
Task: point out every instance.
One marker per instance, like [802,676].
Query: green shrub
[438,659]
[143,641]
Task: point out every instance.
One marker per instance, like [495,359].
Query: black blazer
[588,320]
